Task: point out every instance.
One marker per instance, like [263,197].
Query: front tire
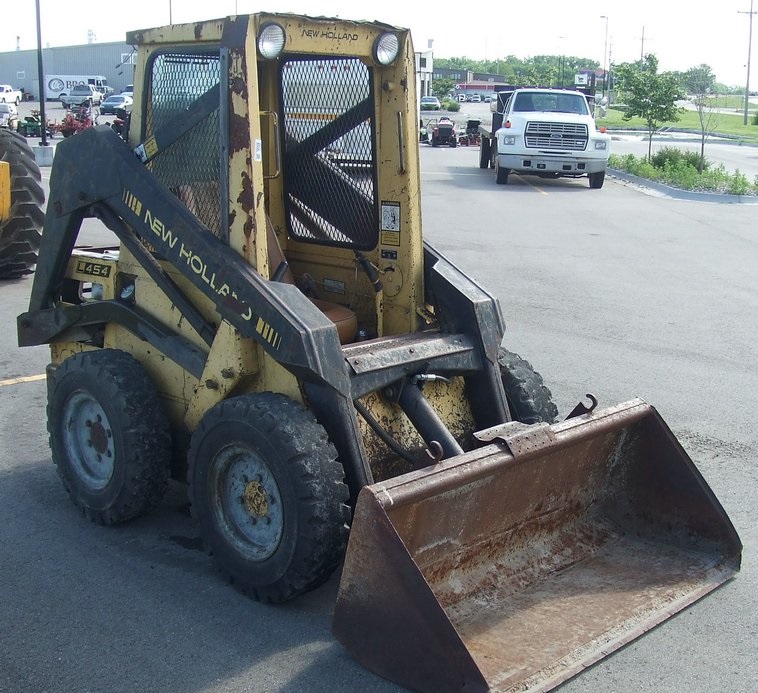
[268,494]
[597,180]
[109,436]
[501,174]
[529,400]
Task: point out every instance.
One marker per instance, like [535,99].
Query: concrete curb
[678,194]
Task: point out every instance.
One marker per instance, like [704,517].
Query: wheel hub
[254,498]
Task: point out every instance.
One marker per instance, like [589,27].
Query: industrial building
[114,61]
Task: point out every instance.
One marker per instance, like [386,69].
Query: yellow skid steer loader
[272,329]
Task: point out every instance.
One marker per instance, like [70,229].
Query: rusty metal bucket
[517,565]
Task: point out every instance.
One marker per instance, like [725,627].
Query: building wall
[19,68]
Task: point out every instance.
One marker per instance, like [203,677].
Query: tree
[442,87]
[700,81]
[648,94]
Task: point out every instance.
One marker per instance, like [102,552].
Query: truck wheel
[109,436]
[484,153]
[597,179]
[268,494]
[529,400]
[20,233]
[501,174]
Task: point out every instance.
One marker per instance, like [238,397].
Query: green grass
[724,124]
[733,101]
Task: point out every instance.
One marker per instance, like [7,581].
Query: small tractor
[443,133]
[272,329]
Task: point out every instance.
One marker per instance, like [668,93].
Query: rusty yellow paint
[232,359]
[447,399]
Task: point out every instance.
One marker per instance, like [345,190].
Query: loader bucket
[516,566]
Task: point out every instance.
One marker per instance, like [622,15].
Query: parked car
[8,116]
[476,98]
[129,90]
[115,102]
[82,95]
[430,103]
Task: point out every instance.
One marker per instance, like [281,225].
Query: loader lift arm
[115,186]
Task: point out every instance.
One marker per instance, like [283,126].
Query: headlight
[386,48]
[601,144]
[271,40]
[509,139]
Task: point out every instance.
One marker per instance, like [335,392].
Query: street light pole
[749,47]
[605,55]
[42,85]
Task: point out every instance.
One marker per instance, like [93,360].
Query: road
[612,292]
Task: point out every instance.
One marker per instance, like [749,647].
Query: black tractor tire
[484,153]
[529,399]
[20,234]
[109,435]
[268,494]
[597,180]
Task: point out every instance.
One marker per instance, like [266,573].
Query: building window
[422,62]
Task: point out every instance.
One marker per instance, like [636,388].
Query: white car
[430,103]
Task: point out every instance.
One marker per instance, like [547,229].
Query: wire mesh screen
[190,166]
[329,152]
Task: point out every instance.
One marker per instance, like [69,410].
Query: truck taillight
[507,124]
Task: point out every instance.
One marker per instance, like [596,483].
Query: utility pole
[642,45]
[749,47]
[605,54]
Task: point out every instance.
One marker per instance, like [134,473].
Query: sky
[681,33]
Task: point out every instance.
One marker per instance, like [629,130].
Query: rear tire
[484,153]
[109,436]
[268,494]
[529,400]
[20,234]
[597,179]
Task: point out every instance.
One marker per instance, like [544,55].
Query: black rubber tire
[269,495]
[501,174]
[20,234]
[484,153]
[109,435]
[597,180]
[529,399]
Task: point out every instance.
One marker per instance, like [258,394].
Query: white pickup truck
[9,95]
[549,133]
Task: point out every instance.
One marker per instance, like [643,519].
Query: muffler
[517,565]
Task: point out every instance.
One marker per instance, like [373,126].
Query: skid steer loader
[272,329]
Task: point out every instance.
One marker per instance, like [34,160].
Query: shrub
[672,156]
[451,105]
[676,171]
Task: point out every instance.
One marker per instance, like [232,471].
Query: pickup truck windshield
[553,102]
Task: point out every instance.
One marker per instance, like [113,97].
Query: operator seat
[343,318]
